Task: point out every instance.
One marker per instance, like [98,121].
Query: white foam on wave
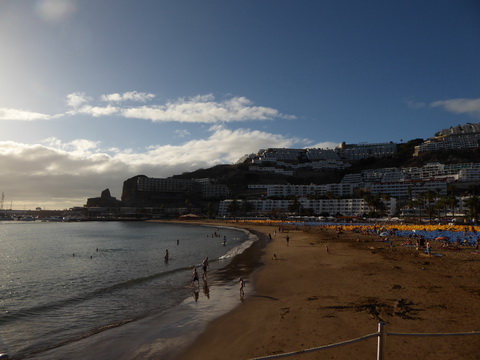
[242,247]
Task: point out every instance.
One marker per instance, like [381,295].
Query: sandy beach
[304,296]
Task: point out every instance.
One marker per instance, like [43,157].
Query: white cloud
[197,109]
[61,174]
[127,96]
[96,111]
[204,109]
[74,100]
[460,106]
[21,115]
[222,146]
[79,147]
[325,145]
[79,103]
[182,133]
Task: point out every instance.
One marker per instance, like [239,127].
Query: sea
[102,290]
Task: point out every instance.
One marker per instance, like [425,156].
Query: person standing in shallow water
[195,276]
[165,257]
[205,268]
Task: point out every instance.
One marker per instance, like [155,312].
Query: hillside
[238,176]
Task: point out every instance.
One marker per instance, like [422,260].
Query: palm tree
[375,203]
[421,202]
[473,205]
[412,205]
[441,205]
[246,207]
[452,203]
[370,201]
[233,207]
[210,210]
[430,198]
[295,206]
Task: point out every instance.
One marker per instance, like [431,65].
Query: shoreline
[307,297]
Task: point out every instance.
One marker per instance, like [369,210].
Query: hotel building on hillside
[346,207]
[337,190]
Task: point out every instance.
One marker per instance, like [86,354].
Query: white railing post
[381,341]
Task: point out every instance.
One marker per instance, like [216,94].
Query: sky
[95,92]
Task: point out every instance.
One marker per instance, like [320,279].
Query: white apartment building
[469,175]
[355,178]
[468,128]
[271,169]
[215,191]
[322,157]
[363,151]
[315,154]
[338,190]
[320,164]
[282,154]
[328,164]
[431,171]
[165,185]
[402,189]
[346,207]
[449,143]
[458,167]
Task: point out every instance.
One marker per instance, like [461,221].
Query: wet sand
[307,297]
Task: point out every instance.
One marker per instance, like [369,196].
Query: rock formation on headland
[105,200]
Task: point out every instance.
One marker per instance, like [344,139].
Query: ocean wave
[240,248]
[41,309]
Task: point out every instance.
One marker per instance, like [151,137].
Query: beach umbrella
[442,238]
[384,233]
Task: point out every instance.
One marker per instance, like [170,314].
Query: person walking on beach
[205,268]
[165,257]
[326,248]
[428,249]
[288,240]
[242,286]
[195,276]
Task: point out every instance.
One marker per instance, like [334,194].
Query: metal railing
[381,334]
